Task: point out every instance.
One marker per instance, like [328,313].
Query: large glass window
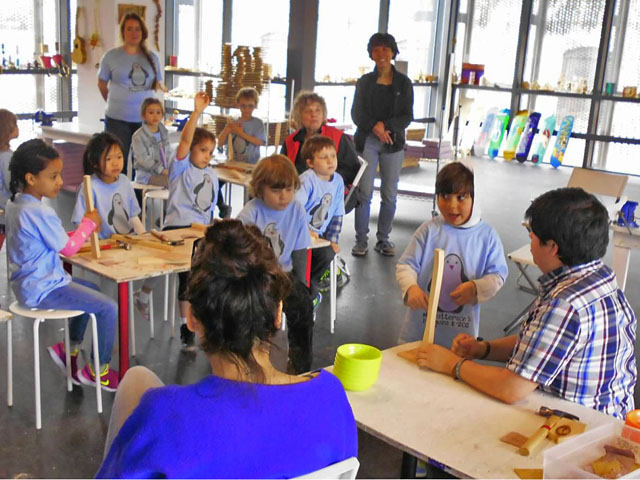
[266,25]
[344,29]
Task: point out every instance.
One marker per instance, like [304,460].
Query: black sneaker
[187,337]
[386,248]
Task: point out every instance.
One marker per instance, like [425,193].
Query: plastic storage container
[568,459]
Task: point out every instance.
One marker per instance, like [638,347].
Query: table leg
[408,469]
[172,303]
[123,331]
[621,264]
[333,294]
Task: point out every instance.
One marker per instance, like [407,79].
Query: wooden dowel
[88,200]
[434,295]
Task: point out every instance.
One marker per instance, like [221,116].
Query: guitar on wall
[79,54]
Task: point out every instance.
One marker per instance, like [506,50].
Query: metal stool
[40,316]
[5,317]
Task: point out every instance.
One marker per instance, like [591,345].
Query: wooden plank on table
[432,308]
[88,200]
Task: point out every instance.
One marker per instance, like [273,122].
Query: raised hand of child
[94,216]
[416,298]
[464,293]
[466,346]
[201,101]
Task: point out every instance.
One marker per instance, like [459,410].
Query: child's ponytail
[32,157]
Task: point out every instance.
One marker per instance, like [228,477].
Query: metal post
[521,54]
[598,81]
[383,17]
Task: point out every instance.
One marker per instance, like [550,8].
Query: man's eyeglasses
[527,225]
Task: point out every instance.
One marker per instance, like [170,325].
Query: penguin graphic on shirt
[452,276]
[138,76]
[320,212]
[272,234]
[204,193]
[118,216]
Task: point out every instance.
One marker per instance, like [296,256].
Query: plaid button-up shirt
[578,340]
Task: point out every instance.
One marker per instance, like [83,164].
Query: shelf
[528,91]
[488,88]
[39,71]
[619,98]
[189,73]
[353,84]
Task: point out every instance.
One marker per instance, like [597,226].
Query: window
[343,31]
[266,25]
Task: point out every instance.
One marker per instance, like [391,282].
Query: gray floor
[370,310]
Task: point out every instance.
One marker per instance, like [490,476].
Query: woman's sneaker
[60,359]
[188,338]
[108,377]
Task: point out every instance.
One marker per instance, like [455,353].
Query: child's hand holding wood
[94,216]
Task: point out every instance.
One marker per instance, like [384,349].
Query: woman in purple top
[247,419]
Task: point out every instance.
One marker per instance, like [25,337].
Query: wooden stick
[534,441]
[434,295]
[276,140]
[142,242]
[229,148]
[88,200]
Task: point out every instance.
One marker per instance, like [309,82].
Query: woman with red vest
[310,114]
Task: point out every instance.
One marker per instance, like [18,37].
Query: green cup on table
[357,366]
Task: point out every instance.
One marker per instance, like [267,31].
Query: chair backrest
[346,469]
[598,183]
[356,181]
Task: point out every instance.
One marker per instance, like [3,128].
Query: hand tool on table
[164,239]
[553,417]
[432,308]
[110,245]
[88,201]
[142,242]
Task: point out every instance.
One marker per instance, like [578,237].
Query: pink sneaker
[108,378]
[60,359]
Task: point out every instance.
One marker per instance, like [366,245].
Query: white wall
[90,103]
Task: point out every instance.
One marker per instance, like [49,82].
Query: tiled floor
[70,443]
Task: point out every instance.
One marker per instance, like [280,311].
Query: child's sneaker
[316,303]
[188,338]
[324,284]
[108,378]
[60,359]
[141,306]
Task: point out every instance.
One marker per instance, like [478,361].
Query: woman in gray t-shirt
[128,74]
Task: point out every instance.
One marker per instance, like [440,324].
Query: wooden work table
[449,424]
[141,262]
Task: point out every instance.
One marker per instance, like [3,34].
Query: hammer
[552,418]
[108,246]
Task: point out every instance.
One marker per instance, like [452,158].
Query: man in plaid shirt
[578,339]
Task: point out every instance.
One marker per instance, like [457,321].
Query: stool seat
[162,194]
[142,186]
[28,312]
[522,255]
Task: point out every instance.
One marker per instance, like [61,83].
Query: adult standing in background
[382,110]
[128,74]
[309,114]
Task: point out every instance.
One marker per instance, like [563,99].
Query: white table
[81,133]
[447,423]
[623,242]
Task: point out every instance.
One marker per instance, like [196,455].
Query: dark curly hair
[575,220]
[97,149]
[235,288]
[32,156]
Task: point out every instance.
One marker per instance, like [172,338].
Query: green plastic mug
[357,366]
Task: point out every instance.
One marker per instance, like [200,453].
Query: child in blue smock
[113,195]
[193,189]
[474,263]
[114,199]
[284,222]
[150,147]
[8,131]
[321,194]
[35,239]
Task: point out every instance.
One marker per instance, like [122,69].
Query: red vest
[293,146]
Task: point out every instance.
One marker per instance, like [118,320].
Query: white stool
[144,189]
[5,317]
[42,315]
[163,195]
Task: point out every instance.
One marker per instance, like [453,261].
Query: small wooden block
[410,355]
[514,438]
[565,429]
[528,473]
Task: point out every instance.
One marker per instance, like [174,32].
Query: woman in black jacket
[382,110]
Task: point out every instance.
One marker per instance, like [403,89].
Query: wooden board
[88,200]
